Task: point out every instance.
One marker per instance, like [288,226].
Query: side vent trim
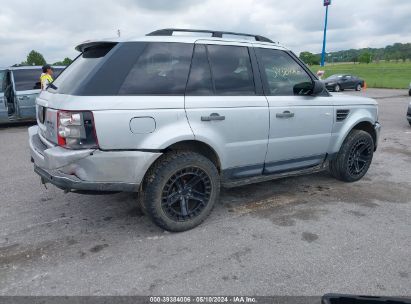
[342,114]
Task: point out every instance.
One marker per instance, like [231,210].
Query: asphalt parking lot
[299,236]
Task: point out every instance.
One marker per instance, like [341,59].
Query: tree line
[36,58]
[395,52]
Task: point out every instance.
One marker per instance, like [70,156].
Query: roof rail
[218,34]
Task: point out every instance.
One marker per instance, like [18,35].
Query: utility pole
[326,4]
[118,33]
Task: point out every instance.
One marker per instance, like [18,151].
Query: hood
[344,99]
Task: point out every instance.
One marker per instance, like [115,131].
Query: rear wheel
[358,87]
[354,158]
[180,190]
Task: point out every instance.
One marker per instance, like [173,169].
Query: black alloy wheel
[354,158]
[180,190]
[360,157]
[186,194]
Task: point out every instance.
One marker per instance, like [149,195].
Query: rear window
[57,72]
[27,79]
[76,74]
[128,68]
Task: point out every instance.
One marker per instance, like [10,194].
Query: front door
[226,108]
[27,88]
[300,125]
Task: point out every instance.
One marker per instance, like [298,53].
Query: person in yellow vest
[46,77]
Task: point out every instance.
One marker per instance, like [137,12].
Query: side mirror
[303,88]
[318,87]
[309,88]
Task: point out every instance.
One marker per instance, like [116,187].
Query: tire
[354,158]
[337,88]
[358,87]
[180,190]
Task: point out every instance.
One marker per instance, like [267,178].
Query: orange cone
[365,86]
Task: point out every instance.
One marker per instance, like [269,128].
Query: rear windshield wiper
[52,86]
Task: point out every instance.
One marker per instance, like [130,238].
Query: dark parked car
[340,82]
[409,111]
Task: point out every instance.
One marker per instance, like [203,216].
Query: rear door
[226,107]
[27,88]
[300,125]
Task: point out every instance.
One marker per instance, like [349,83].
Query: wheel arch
[199,147]
[187,145]
[365,124]
[368,127]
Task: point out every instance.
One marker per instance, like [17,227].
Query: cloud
[57,29]
[164,5]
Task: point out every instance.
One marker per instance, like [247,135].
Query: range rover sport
[173,117]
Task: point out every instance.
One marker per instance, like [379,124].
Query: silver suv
[173,117]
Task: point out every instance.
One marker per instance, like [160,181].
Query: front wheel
[358,87]
[354,158]
[337,88]
[180,190]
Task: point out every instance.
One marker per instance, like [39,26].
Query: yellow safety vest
[46,77]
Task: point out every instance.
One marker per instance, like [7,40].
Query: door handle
[285,114]
[213,116]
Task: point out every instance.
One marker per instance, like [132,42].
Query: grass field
[377,75]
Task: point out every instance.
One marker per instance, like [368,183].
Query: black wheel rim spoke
[186,194]
[198,196]
[183,206]
[194,181]
[359,158]
[173,198]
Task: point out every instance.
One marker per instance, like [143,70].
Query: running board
[264,178]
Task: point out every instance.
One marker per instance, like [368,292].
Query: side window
[200,82]
[27,79]
[162,69]
[284,76]
[231,70]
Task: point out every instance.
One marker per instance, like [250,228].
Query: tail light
[76,130]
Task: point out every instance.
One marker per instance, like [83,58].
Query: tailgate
[47,121]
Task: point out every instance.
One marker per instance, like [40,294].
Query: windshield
[27,79]
[2,75]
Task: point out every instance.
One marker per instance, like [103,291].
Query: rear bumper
[88,169]
[70,182]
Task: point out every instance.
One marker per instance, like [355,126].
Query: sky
[55,27]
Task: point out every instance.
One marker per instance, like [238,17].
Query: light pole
[326,4]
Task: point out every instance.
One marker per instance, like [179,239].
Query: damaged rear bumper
[88,169]
[69,182]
